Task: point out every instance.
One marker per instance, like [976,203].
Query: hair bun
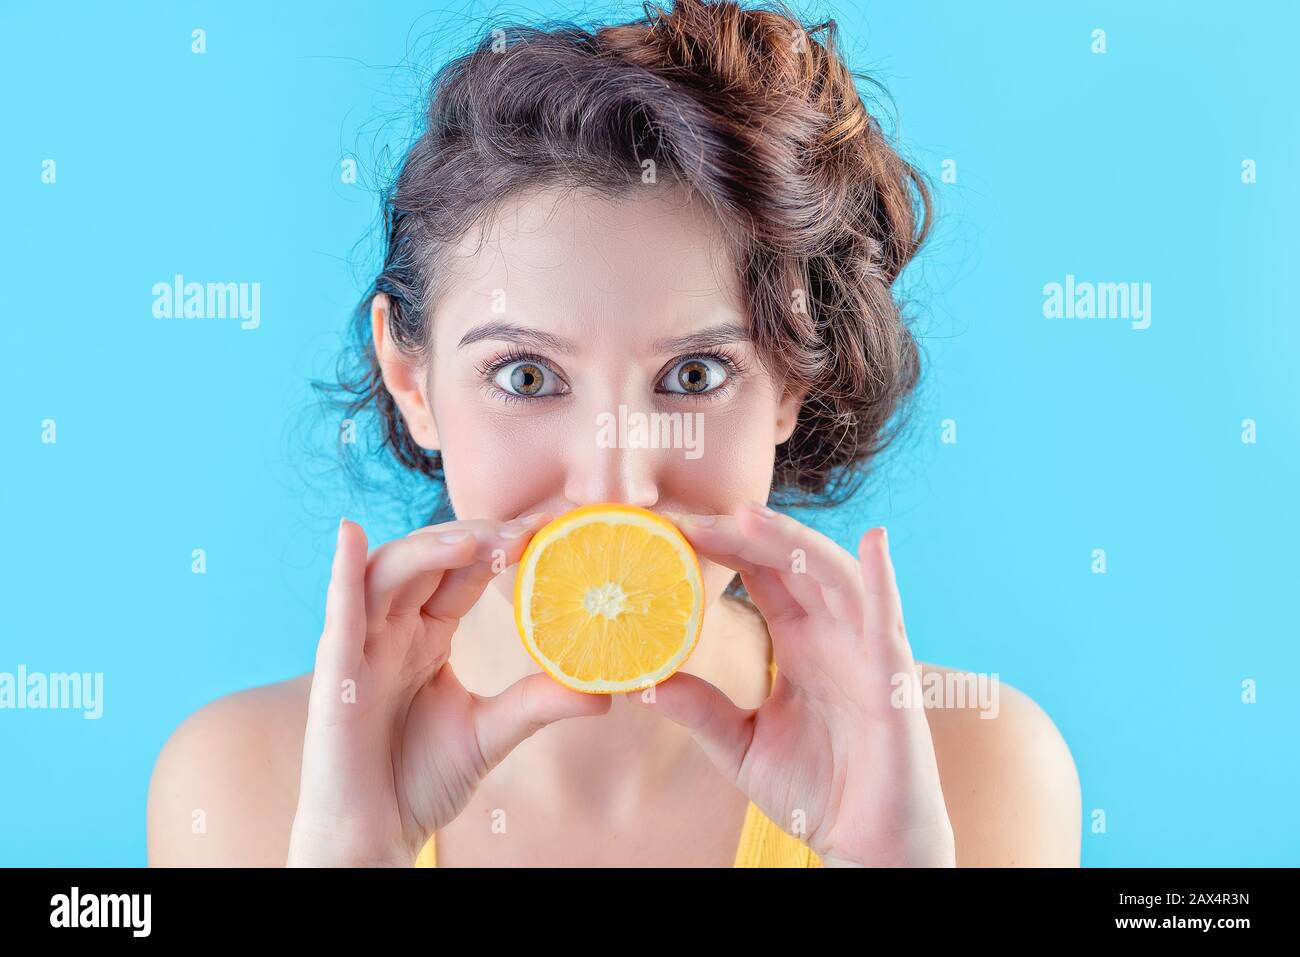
[756,58]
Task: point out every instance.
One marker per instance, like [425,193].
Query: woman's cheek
[731,460]
[499,465]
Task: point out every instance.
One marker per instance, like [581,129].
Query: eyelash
[487,371]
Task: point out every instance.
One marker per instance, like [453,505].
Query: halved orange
[609,598]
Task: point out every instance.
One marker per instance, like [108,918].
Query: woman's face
[594,350]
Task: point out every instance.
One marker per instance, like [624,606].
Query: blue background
[1072,434]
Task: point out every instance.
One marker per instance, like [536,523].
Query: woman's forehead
[583,267]
[566,231]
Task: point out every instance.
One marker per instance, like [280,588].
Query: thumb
[528,705]
[721,729]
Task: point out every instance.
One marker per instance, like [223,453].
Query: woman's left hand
[828,756]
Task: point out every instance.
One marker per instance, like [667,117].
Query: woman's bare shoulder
[1009,780]
[224,788]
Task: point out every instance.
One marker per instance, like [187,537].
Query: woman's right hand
[394,745]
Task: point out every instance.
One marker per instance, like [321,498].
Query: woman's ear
[403,378]
[787,414]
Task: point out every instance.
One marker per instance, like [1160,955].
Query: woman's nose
[605,464]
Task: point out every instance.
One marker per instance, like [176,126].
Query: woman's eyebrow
[513,332]
[704,339]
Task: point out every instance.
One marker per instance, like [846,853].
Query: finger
[471,522]
[416,590]
[795,551]
[729,541]
[815,569]
[707,540]
[721,729]
[455,594]
[771,597]
[344,634]
[398,563]
[502,721]
[461,588]
[884,608]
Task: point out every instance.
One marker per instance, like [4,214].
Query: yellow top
[762,843]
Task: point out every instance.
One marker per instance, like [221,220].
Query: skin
[453,729]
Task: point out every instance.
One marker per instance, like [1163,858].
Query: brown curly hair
[747,109]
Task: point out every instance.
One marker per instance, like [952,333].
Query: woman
[689,214]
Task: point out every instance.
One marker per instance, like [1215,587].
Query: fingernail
[705,520]
[517,526]
[758,508]
[451,538]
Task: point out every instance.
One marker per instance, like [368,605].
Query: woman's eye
[527,378]
[693,376]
